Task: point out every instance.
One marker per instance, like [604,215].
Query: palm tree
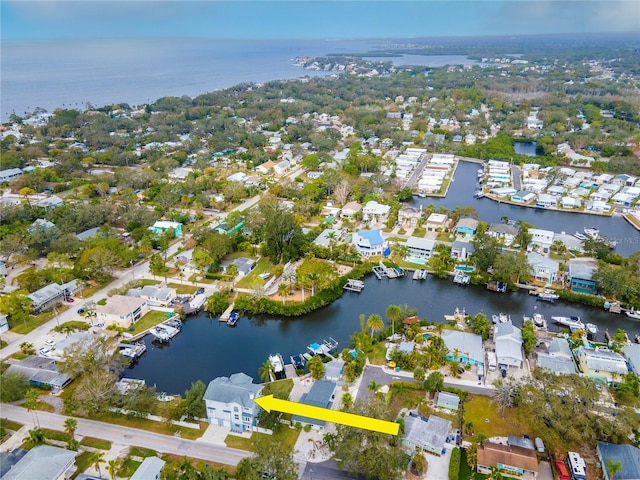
[283,290]
[394,314]
[70,425]
[314,278]
[95,460]
[112,467]
[613,468]
[265,371]
[373,386]
[36,437]
[31,403]
[332,240]
[375,323]
[347,400]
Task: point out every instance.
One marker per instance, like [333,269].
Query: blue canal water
[207,348]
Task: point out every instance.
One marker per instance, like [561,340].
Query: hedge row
[322,298]
[591,300]
[454,464]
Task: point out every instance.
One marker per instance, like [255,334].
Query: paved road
[131,436]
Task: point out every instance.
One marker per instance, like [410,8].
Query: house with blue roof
[320,395]
[229,402]
[162,226]
[627,455]
[370,243]
[580,275]
[467,226]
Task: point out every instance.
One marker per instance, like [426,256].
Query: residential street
[130,436]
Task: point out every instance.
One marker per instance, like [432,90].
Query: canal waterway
[207,348]
[463,187]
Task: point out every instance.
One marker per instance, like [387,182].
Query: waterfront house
[426,434]
[409,215]
[41,372]
[229,402]
[508,342]
[505,233]
[333,370]
[369,243]
[122,311]
[49,203]
[153,294]
[43,462]
[437,222]
[601,364]
[632,355]
[545,201]
[510,459]
[571,242]
[540,239]
[447,400]
[419,250]
[321,395]
[571,202]
[461,250]
[375,212]
[580,275]
[523,196]
[627,455]
[558,358]
[463,347]
[162,226]
[350,209]
[328,237]
[149,469]
[467,226]
[544,269]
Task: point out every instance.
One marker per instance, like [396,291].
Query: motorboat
[501,318]
[574,323]
[633,314]
[548,296]
[580,236]
[592,328]
[233,319]
[592,232]
[539,321]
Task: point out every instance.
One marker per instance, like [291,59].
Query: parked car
[264,275]
[80,311]
[44,351]
[50,343]
[199,291]
[69,299]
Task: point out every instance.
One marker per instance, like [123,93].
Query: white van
[539,445]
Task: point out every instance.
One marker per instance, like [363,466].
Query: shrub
[454,464]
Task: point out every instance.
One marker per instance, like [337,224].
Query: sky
[25,20]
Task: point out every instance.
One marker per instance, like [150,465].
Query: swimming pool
[462,268]
[419,261]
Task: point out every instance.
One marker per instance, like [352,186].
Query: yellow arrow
[269,403]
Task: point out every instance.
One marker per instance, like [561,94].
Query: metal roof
[42,463]
[431,434]
[627,455]
[238,388]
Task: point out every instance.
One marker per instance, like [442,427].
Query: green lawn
[142,452]
[286,437]
[480,409]
[128,468]
[151,319]
[96,443]
[280,388]
[377,355]
[10,425]
[151,426]
[55,435]
[183,289]
[251,280]
[90,290]
[465,470]
[34,321]
[83,461]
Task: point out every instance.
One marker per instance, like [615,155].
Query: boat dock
[384,271]
[164,332]
[227,313]
[420,274]
[354,285]
[461,278]
[497,286]
[326,348]
[132,350]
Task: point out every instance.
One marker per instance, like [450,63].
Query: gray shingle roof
[430,434]
[149,468]
[556,364]
[42,463]
[238,388]
[319,396]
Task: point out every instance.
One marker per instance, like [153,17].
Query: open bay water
[207,348]
[71,74]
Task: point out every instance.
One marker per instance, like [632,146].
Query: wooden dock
[354,285]
[225,316]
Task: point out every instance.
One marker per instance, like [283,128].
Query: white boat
[539,321]
[574,323]
[278,365]
[592,232]
[501,318]
[422,195]
[479,194]
[548,296]
[633,314]
[580,236]
[592,328]
[233,319]
[461,278]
